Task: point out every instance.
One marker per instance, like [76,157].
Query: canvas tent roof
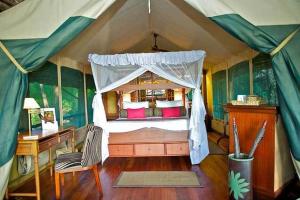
[180,27]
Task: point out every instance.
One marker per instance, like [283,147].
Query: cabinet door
[177,149]
[149,149]
[123,150]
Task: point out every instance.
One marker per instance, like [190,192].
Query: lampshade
[30,103]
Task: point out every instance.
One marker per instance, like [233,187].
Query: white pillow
[142,104]
[165,104]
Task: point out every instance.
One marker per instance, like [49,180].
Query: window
[219,94]
[43,88]
[239,80]
[264,84]
[90,93]
[152,95]
[72,97]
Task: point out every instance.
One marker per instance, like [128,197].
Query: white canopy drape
[183,68]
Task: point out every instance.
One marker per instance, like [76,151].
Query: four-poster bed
[156,136]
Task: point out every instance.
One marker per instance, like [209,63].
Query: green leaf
[232,174]
[235,195]
[237,176]
[241,180]
[243,190]
[241,195]
[242,185]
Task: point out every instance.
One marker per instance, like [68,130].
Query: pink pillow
[171,112]
[135,113]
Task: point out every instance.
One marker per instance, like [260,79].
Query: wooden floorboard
[212,172]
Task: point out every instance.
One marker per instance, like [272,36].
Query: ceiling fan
[155,46]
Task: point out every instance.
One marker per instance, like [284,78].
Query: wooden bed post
[183,96]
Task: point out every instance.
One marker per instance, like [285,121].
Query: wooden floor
[212,172]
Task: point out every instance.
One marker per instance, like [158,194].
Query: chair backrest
[92,147]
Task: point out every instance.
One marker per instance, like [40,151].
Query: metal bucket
[240,177]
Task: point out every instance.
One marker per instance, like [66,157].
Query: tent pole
[251,75]
[59,92]
[85,97]
[227,84]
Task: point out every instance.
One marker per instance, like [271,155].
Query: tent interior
[231,68]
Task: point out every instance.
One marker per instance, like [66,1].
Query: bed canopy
[183,68]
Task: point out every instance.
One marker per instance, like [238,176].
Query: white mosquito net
[183,68]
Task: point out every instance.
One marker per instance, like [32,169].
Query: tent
[75,28]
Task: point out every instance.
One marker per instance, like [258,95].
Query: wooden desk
[46,140]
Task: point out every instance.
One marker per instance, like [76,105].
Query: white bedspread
[131,125]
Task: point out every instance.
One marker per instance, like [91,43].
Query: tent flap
[260,31]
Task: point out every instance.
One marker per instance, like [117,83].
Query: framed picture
[36,121]
[48,119]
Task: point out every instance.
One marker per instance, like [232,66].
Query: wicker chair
[81,161]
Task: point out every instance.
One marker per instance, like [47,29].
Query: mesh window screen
[90,93]
[219,94]
[239,80]
[43,88]
[264,84]
[72,97]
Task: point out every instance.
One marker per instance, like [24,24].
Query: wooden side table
[32,147]
[272,165]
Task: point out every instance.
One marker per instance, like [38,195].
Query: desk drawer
[65,136]
[116,150]
[177,149]
[26,148]
[47,143]
[149,149]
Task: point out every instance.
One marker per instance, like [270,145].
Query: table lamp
[30,104]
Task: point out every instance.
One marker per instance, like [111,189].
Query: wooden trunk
[272,166]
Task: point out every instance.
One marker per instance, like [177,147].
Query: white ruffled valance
[183,68]
[169,58]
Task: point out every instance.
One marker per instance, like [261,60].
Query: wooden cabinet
[148,142]
[272,166]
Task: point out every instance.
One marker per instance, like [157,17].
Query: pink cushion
[135,113]
[171,112]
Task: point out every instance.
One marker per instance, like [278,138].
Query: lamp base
[29,122]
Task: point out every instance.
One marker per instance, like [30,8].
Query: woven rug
[157,179]
[214,149]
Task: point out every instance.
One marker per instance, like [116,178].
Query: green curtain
[72,97]
[43,85]
[286,66]
[239,80]
[90,93]
[31,54]
[219,94]
[264,84]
